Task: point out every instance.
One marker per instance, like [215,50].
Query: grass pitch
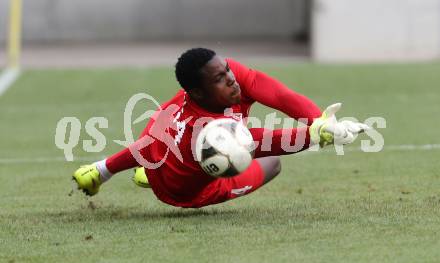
[360,207]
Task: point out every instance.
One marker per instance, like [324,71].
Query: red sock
[121,161]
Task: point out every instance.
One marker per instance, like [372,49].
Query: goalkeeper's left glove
[327,130]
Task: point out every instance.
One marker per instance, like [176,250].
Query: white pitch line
[425,147]
[389,148]
[7,78]
[403,147]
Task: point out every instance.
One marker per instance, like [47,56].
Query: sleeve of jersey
[270,92]
[280,141]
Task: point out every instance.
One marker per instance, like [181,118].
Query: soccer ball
[224,148]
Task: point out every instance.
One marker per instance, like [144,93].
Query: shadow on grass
[272,212]
[210,215]
[111,213]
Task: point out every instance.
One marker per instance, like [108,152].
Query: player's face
[219,87]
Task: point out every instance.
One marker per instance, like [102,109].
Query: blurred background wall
[127,20]
[371,30]
[339,30]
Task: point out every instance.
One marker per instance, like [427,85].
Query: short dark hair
[188,67]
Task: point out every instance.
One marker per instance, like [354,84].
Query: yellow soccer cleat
[140,178]
[87,179]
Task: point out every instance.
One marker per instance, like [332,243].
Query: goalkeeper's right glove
[327,130]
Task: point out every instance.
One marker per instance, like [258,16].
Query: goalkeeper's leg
[261,171]
[271,167]
[90,177]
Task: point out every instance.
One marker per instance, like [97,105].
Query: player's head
[207,79]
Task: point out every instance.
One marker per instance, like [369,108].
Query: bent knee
[271,167]
[277,165]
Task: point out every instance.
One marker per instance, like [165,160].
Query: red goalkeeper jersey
[173,172]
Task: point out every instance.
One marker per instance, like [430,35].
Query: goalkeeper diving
[211,87]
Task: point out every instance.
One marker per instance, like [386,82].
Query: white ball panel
[244,136]
[222,140]
[214,124]
[233,143]
[240,159]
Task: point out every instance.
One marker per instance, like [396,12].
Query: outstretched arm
[280,141]
[270,92]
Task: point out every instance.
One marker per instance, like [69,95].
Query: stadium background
[87,58]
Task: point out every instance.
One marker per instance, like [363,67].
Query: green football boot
[87,179]
[140,178]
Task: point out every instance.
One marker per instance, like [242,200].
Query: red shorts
[220,190]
